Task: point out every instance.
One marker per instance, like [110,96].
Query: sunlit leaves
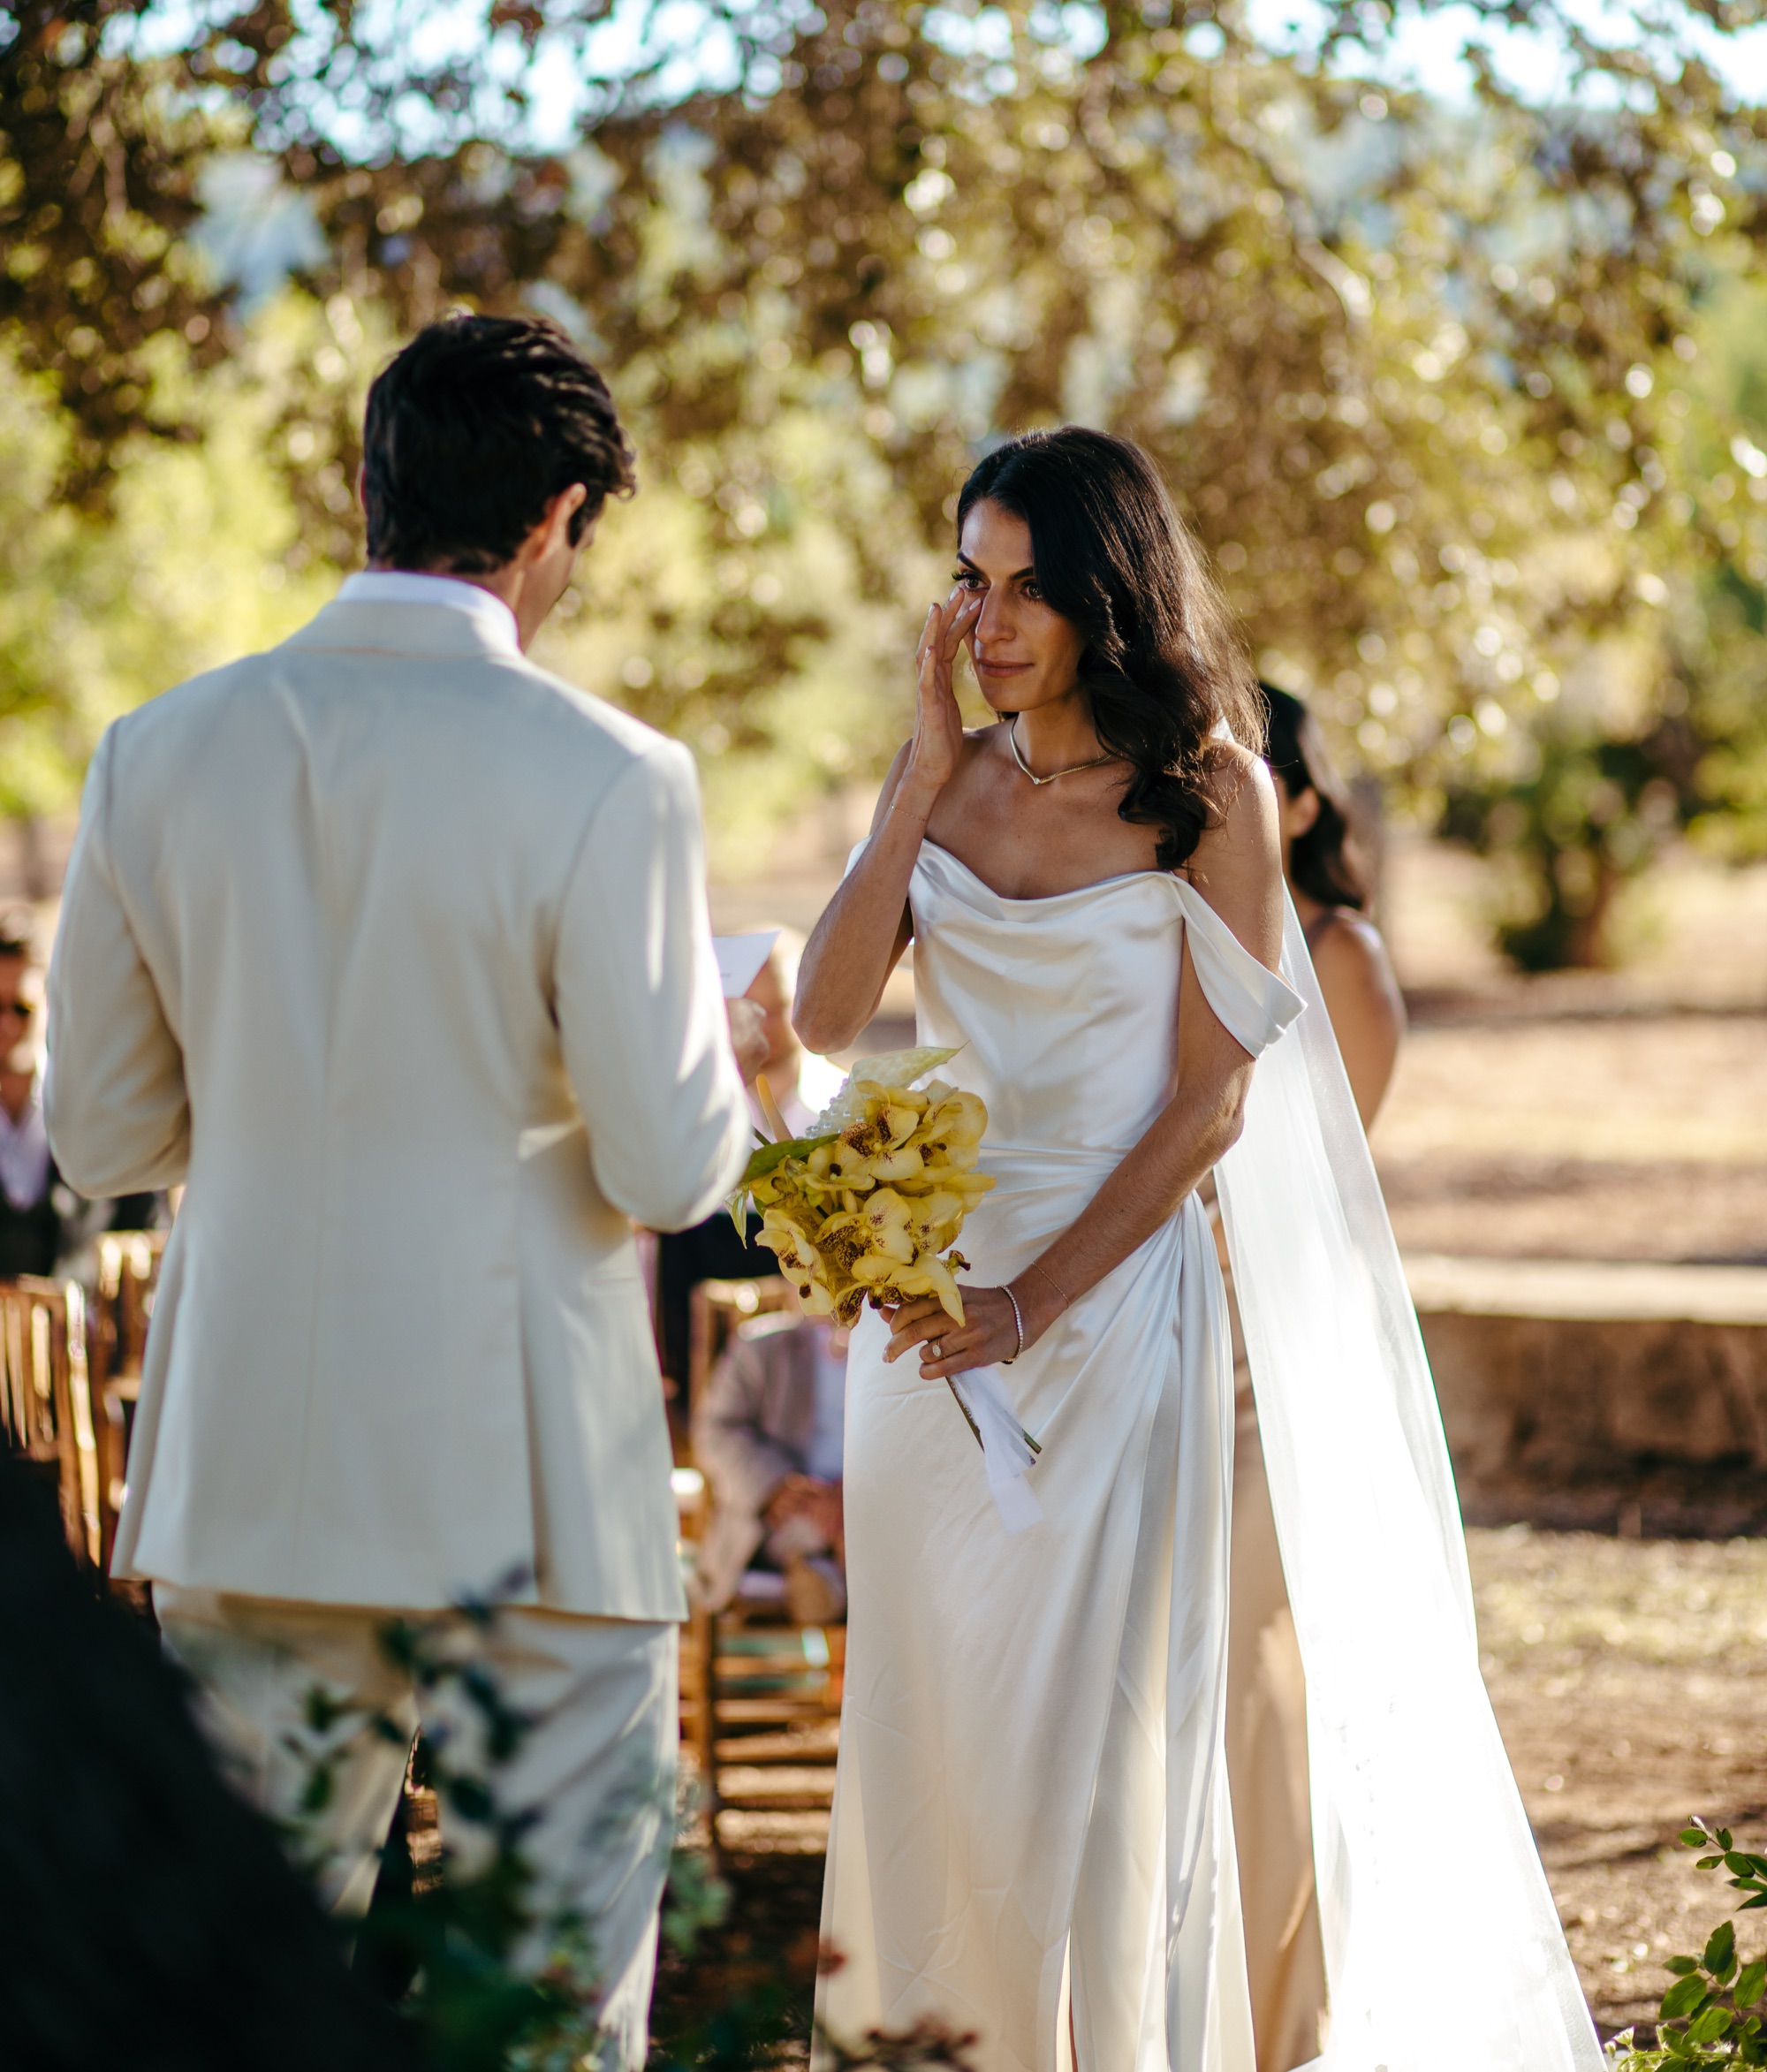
[1425,379]
[99,160]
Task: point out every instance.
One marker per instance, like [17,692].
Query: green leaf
[1694,1837]
[765,1158]
[1720,1947]
[1708,1863]
[1752,1983]
[1723,1834]
[1682,1998]
[1737,1864]
[1680,1966]
[1760,1900]
[1708,2027]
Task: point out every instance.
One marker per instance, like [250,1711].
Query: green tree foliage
[100,155]
[1424,379]
[195,561]
[757,601]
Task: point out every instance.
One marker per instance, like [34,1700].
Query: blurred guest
[44,1226]
[1266,1692]
[1329,884]
[769,1435]
[802,1085]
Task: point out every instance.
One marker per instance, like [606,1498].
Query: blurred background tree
[1465,399]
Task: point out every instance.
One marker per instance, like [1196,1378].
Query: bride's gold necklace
[1013,743]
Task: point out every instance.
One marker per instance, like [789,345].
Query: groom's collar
[492,618]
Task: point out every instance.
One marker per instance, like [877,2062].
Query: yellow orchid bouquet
[867,1206]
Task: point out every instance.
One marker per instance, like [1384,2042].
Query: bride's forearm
[1145,1191]
[864,929]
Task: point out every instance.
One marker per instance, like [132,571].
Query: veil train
[1443,1945]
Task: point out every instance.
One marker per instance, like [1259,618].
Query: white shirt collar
[402,585]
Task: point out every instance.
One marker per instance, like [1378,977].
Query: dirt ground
[1583,1115]
[1640,1136]
[1626,1676]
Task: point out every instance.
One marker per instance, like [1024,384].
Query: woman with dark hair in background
[1267,1763]
[1331,892]
[1031,1833]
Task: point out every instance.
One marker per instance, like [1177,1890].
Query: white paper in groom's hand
[740,959]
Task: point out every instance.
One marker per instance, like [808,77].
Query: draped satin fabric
[1426,1872]
[1032,1837]
[1030,1818]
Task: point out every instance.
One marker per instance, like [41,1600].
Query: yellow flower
[864,1208]
[790,1236]
[930,1276]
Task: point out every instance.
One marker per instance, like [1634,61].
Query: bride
[1032,1837]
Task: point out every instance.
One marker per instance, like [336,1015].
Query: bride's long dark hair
[1163,663]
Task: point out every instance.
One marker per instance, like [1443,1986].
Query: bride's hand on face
[988,1335]
[938,725]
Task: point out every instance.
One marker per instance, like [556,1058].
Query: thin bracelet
[1066,1299]
[1020,1322]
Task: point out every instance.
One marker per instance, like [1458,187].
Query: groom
[393,949]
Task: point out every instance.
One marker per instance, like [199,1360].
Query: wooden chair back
[129,1266]
[717,1306]
[46,1400]
[761,1694]
[762,1713]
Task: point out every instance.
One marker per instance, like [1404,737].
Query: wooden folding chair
[46,1400]
[761,1695]
[766,1727]
[715,1308]
[129,1266]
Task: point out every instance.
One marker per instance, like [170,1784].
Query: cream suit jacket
[394,949]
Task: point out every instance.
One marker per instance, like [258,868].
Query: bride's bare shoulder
[1237,863]
[1243,820]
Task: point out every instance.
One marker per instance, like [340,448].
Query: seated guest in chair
[45,1227]
[769,1435]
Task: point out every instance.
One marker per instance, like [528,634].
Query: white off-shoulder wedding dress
[1031,1834]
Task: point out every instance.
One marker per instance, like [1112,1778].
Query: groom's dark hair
[471,431]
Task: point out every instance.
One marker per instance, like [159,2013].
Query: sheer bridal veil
[1444,1950]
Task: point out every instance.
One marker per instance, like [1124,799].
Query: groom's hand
[747,1035]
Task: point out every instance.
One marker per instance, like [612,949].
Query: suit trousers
[596,1766]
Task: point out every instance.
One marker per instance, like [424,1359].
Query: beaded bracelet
[1018,1321]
